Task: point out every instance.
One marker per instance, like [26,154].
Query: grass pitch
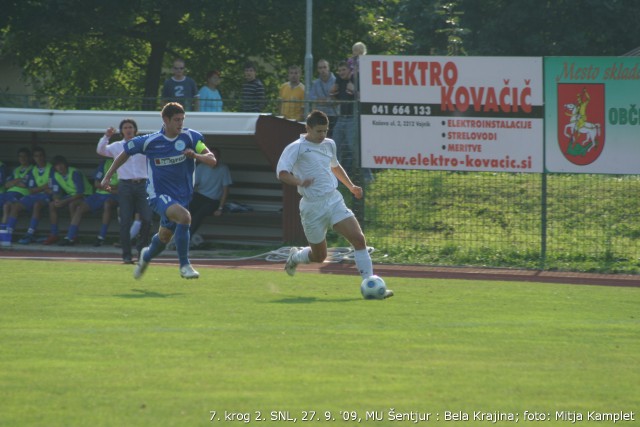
[84,344]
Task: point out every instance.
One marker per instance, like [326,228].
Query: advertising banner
[452,113]
[591,114]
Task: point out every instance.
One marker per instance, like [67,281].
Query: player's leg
[107,208]
[345,223]
[315,220]
[14,210]
[174,222]
[159,240]
[182,218]
[76,216]
[7,200]
[53,223]
[126,199]
[135,226]
[145,215]
[158,244]
[32,203]
[350,229]
[200,208]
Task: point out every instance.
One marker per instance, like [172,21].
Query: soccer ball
[373,287]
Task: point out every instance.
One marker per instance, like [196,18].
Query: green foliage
[453,30]
[85,344]
[550,28]
[73,49]
[118,49]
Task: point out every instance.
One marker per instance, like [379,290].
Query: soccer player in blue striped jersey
[171,158]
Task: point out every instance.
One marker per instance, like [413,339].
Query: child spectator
[210,98]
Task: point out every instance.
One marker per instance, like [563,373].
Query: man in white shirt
[311,164]
[132,188]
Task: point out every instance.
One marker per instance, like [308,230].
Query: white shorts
[319,215]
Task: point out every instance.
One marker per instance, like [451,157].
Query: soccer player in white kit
[311,164]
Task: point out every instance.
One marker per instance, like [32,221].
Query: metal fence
[549,221]
[580,222]
[115,103]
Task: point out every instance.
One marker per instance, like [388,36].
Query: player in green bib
[14,186]
[100,200]
[70,187]
[38,181]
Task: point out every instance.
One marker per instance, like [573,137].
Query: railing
[581,222]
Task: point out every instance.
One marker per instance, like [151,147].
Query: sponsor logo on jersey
[167,161]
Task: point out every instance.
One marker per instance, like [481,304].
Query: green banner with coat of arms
[592,119]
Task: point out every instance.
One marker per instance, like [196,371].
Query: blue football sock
[11,223]
[155,248]
[103,230]
[33,225]
[73,232]
[182,237]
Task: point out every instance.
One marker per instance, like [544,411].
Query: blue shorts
[96,201]
[30,200]
[160,204]
[10,197]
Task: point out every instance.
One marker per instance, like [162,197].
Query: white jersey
[305,159]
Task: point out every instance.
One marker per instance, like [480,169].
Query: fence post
[358,176]
[543,222]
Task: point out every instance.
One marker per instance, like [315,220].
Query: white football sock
[363,262]
[302,257]
[135,228]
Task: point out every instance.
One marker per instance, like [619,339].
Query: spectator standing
[99,200]
[320,94]
[70,187]
[345,131]
[132,193]
[292,95]
[211,188]
[357,50]
[209,96]
[181,88]
[310,163]
[39,183]
[171,156]
[253,93]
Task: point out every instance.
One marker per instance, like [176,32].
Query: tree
[120,49]
[551,28]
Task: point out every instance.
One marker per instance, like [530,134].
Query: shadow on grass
[141,293]
[311,300]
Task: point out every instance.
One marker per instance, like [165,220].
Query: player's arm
[104,142]
[289,178]
[201,154]
[342,176]
[11,182]
[119,161]
[223,200]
